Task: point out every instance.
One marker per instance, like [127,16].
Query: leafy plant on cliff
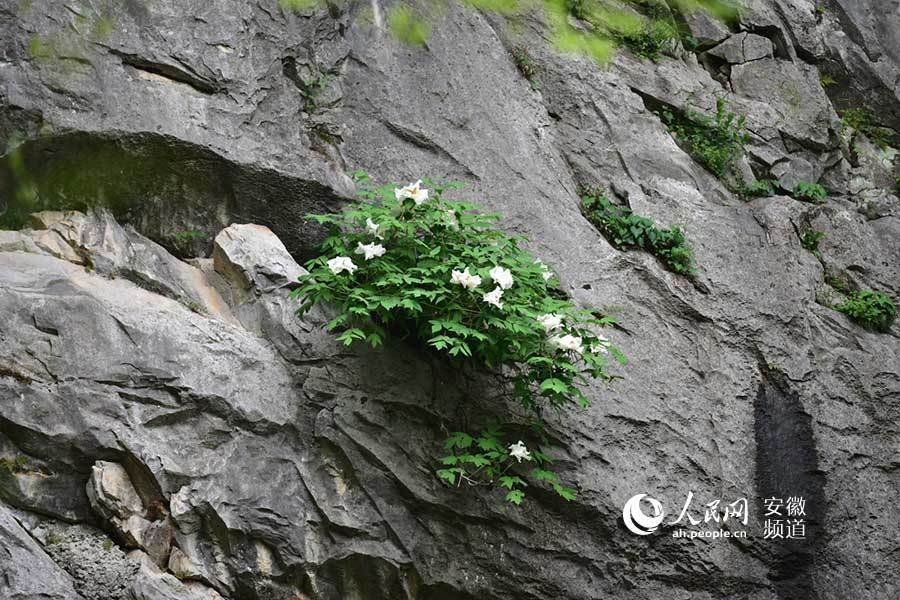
[717,142]
[872,310]
[810,192]
[526,66]
[762,188]
[626,230]
[863,121]
[17,464]
[411,264]
[486,458]
[810,239]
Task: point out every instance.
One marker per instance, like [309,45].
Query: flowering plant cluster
[410,263]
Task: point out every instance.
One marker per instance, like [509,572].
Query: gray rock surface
[292,467]
[99,569]
[27,572]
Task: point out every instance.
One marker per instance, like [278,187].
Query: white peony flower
[452,221]
[602,345]
[341,263]
[546,273]
[465,279]
[372,228]
[414,191]
[567,342]
[494,297]
[519,451]
[550,322]
[502,277]
[370,250]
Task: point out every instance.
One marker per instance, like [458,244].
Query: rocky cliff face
[169,428]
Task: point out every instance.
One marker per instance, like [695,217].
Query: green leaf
[566,493]
[489,443]
[351,334]
[411,305]
[554,385]
[336,322]
[515,496]
[389,303]
[476,459]
[458,439]
[511,482]
[450,474]
[544,475]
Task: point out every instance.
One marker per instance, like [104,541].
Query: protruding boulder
[743,47]
[250,255]
[152,583]
[97,241]
[46,219]
[111,493]
[182,566]
[113,496]
[706,30]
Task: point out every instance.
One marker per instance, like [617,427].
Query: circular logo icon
[635,519]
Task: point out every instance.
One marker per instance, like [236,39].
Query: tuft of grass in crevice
[762,188]
[810,240]
[716,141]
[871,310]
[16,464]
[809,192]
[526,65]
[626,231]
[863,121]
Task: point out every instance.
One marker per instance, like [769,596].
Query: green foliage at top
[626,230]
[651,40]
[872,310]
[645,26]
[297,4]
[407,26]
[411,264]
[810,192]
[718,142]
